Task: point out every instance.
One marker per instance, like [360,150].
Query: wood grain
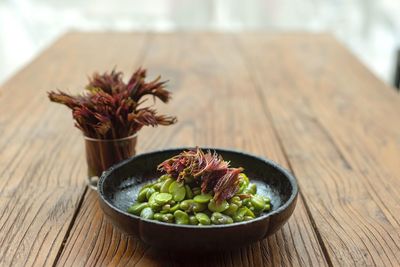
[300,99]
[42,165]
[217,105]
[339,127]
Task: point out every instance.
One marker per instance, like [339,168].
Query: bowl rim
[289,176]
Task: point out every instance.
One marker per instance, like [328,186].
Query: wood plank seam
[71,224]
[269,116]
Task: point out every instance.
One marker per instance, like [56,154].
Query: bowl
[119,186]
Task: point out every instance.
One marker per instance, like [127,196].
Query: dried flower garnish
[209,169]
[111,108]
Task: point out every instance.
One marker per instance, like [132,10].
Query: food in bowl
[200,188]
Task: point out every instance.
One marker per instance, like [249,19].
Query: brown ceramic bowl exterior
[116,195]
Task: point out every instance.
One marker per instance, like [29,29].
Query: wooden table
[300,99]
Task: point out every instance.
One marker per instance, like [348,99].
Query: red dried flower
[209,169]
[111,109]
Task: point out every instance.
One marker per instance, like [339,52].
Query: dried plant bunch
[112,109]
[208,169]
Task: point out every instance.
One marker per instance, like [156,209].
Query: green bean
[237,218]
[168,200]
[168,217]
[231,210]
[196,191]
[165,186]
[157,216]
[236,200]
[147,213]
[142,195]
[258,203]
[220,207]
[186,205]
[166,208]
[177,190]
[193,220]
[248,218]
[189,193]
[137,208]
[164,177]
[244,182]
[162,198]
[250,213]
[248,203]
[203,198]
[149,192]
[157,186]
[203,218]
[219,218]
[148,185]
[245,211]
[152,202]
[174,208]
[251,189]
[197,207]
[181,217]
[267,200]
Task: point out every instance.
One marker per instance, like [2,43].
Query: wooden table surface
[300,99]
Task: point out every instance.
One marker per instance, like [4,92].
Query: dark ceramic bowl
[119,185]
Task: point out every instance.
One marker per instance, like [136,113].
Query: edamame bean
[148,185]
[237,218]
[174,208]
[186,205]
[218,207]
[196,191]
[164,177]
[251,189]
[157,186]
[177,202]
[203,218]
[193,220]
[162,198]
[236,200]
[166,207]
[196,207]
[258,203]
[152,202]
[189,193]
[181,217]
[137,208]
[142,195]
[245,211]
[231,210]
[147,213]
[149,192]
[165,186]
[202,198]
[244,182]
[219,218]
[177,190]
[168,217]
[248,218]
[157,216]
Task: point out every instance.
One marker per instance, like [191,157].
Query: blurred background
[369,28]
